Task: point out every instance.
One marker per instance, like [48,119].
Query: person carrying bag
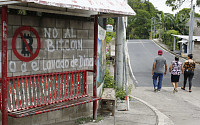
[189,66]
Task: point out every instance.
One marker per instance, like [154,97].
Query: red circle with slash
[19,31]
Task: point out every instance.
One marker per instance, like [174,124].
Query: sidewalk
[139,114]
[183,108]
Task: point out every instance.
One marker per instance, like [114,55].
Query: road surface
[182,108]
[142,54]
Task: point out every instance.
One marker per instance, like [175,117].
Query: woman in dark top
[189,67]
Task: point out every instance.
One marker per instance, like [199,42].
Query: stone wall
[66,45]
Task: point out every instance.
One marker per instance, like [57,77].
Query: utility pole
[151,26]
[118,73]
[154,27]
[119,52]
[174,46]
[191,28]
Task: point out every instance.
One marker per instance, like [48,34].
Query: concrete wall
[196,28]
[196,51]
[71,40]
[67,114]
[61,39]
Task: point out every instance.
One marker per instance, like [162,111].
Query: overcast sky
[160,5]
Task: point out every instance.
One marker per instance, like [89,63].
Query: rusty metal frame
[4,65]
[95,66]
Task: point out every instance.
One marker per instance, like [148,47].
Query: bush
[168,39]
[121,94]
[109,36]
[110,83]
[107,62]
[108,80]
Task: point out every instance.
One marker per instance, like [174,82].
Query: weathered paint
[95,66]
[105,6]
[4,66]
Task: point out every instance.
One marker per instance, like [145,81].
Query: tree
[175,4]
[111,21]
[140,25]
[165,19]
[171,22]
[179,21]
[186,12]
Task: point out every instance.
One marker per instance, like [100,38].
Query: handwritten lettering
[52,44]
[12,66]
[23,67]
[4,31]
[63,45]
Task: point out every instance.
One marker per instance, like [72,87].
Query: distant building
[184,49]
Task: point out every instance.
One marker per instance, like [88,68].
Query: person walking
[189,66]
[175,68]
[158,70]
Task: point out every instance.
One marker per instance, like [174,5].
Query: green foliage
[109,36]
[168,39]
[130,88]
[198,2]
[197,15]
[110,83]
[179,21]
[108,80]
[140,25]
[111,21]
[108,61]
[198,24]
[175,4]
[186,12]
[121,94]
[171,22]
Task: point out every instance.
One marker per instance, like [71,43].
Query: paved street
[183,108]
[142,54]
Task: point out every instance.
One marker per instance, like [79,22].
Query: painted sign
[54,52]
[27,53]
[101,59]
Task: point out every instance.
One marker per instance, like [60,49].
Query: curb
[163,47]
[130,70]
[158,44]
[161,119]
